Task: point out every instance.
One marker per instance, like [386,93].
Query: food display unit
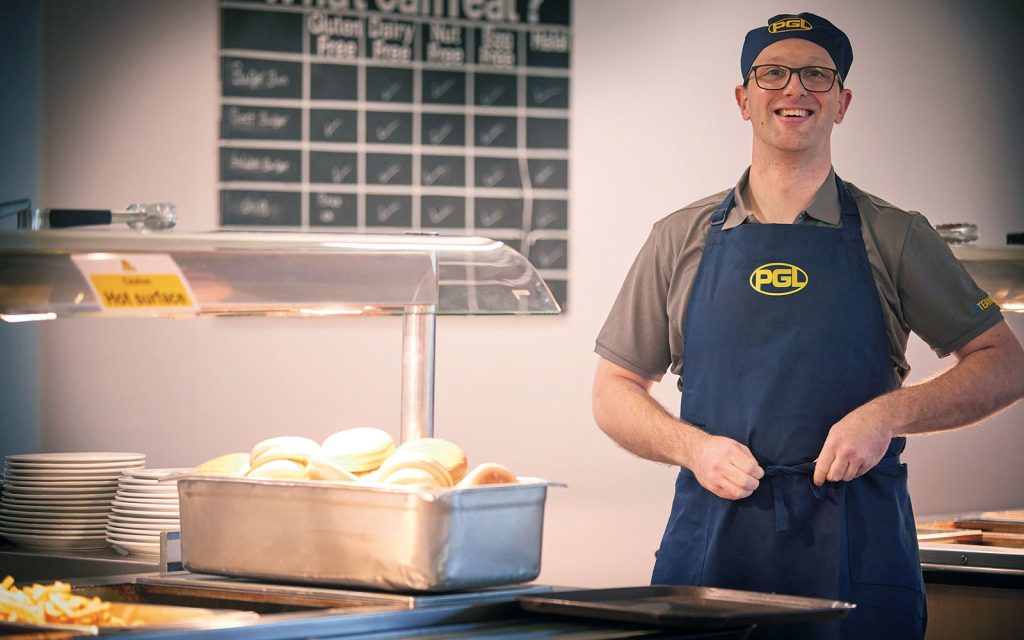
[328,275]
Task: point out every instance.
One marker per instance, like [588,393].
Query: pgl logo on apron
[778,279]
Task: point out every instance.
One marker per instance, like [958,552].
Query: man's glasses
[776,76]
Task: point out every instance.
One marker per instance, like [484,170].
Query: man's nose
[794,87]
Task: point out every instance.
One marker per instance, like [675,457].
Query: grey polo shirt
[922,287]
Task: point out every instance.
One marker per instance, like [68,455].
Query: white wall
[130,113]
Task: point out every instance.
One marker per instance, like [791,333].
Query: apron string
[825,491]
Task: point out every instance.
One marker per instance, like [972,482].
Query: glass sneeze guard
[283,273]
[291,274]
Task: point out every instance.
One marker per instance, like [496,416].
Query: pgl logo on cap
[789,24]
[778,279]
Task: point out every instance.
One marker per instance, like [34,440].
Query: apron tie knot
[826,491]
[782,509]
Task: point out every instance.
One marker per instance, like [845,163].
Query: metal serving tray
[686,607]
[367,536]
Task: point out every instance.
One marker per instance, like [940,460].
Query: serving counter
[973,566]
[215,607]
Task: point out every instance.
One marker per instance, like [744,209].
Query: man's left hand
[853,447]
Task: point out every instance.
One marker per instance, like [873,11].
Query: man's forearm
[626,412]
[981,383]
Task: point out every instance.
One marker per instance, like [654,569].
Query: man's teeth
[794,113]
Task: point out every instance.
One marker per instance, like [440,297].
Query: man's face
[793,118]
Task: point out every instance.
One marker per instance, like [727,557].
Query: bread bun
[295,448]
[449,454]
[231,464]
[411,469]
[488,473]
[320,468]
[280,470]
[358,450]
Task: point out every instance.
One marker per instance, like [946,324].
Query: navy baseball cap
[805,26]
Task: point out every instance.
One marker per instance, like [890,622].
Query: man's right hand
[726,468]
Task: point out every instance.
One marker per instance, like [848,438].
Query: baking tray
[365,536]
[686,607]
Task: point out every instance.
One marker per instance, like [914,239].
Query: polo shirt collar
[824,207]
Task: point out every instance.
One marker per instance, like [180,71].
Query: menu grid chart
[391,116]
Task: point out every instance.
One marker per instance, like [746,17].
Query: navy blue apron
[783,337]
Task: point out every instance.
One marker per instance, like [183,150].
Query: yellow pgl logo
[789,24]
[778,279]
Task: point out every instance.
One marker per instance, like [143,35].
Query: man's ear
[741,102]
[845,97]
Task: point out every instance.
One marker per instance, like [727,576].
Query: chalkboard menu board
[448,116]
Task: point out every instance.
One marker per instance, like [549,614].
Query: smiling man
[784,306]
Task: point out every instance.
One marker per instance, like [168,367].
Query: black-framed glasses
[776,76]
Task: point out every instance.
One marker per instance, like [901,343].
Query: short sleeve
[941,302]
[635,334]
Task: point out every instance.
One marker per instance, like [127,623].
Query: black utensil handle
[61,218]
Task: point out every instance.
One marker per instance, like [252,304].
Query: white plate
[80,531]
[143,529]
[119,467]
[135,548]
[143,513]
[50,485]
[149,501]
[43,471]
[157,474]
[54,516]
[145,536]
[81,505]
[47,533]
[144,498]
[74,457]
[59,494]
[56,542]
[129,521]
[160,492]
[18,521]
[143,482]
[146,482]
[53,476]
[145,505]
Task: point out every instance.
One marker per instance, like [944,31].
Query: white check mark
[437,136]
[491,218]
[383,133]
[542,176]
[491,96]
[338,173]
[385,212]
[437,216]
[331,127]
[545,219]
[435,173]
[550,257]
[493,178]
[543,95]
[439,90]
[390,91]
[489,136]
[385,176]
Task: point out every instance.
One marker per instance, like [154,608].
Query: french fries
[53,603]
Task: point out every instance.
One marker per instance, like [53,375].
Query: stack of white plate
[142,508]
[61,500]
